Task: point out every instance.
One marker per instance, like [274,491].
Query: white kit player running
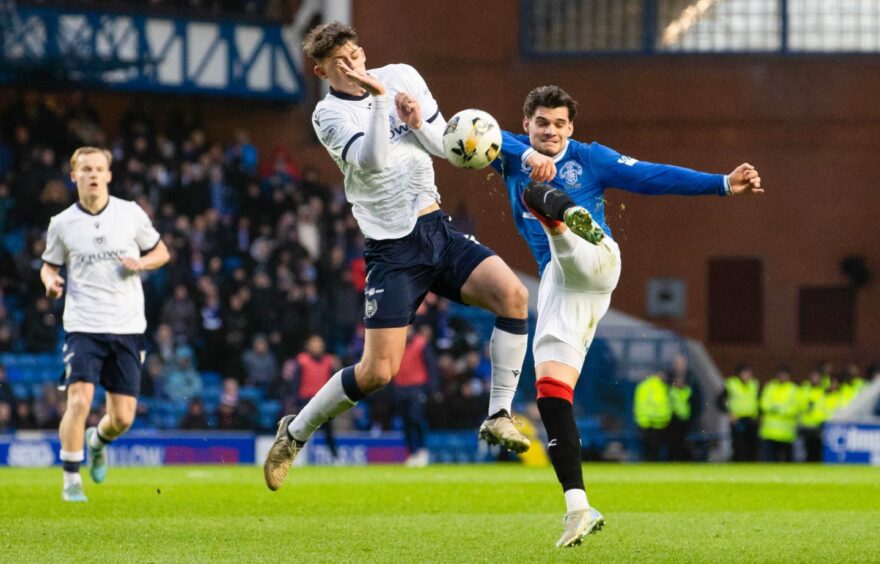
[564,226]
[104,242]
[381,128]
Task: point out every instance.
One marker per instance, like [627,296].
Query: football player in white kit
[381,127]
[104,242]
[564,225]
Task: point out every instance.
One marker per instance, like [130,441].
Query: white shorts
[574,294]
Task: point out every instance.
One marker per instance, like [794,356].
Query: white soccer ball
[472,139]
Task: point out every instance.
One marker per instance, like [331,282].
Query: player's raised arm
[418,109]
[642,177]
[543,167]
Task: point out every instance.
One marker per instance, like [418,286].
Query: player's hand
[131,264]
[361,78]
[543,167]
[55,288]
[745,180]
[408,110]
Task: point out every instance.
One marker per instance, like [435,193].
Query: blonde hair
[88,151]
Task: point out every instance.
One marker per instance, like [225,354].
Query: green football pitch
[485,513]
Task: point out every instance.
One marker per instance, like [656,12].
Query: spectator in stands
[195,418]
[779,417]
[260,365]
[411,389]
[7,208]
[6,423]
[652,409]
[6,395]
[180,314]
[153,377]
[739,399]
[182,381]
[7,331]
[23,417]
[233,412]
[164,343]
[41,327]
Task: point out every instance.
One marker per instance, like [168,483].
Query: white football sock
[576,500]
[329,402]
[95,443]
[71,478]
[507,352]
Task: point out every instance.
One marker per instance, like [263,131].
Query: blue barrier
[851,443]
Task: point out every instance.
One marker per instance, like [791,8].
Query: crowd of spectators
[264,254]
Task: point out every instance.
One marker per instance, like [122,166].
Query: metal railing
[601,27]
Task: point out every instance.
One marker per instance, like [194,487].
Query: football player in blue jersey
[556,187]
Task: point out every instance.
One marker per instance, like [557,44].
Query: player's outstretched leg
[553,207]
[97,455]
[578,524]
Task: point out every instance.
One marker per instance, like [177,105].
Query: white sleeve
[367,150]
[55,253]
[146,236]
[430,135]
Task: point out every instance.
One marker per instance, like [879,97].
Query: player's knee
[121,421]
[516,300]
[377,374]
[79,405]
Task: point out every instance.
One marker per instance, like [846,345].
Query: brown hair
[323,39]
[549,97]
[88,151]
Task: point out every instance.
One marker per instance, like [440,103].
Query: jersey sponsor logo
[398,128]
[628,161]
[571,172]
[373,291]
[103,256]
[370,308]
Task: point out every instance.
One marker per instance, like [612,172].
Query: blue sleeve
[619,171]
[512,149]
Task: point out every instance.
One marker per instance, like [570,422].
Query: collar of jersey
[99,212]
[561,154]
[351,97]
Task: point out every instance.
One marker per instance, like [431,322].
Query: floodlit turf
[488,513]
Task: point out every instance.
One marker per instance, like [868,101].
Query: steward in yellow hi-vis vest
[652,409]
[779,417]
[681,398]
[812,415]
[740,400]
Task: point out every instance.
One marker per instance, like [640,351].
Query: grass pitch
[487,513]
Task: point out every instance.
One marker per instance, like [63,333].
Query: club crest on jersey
[100,241]
[571,172]
[628,161]
[370,308]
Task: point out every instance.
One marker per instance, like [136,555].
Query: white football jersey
[385,203]
[101,296]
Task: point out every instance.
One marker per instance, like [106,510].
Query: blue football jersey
[585,171]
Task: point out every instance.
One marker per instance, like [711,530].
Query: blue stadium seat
[211,380]
[252,394]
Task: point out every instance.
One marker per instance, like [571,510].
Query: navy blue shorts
[114,361]
[400,272]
